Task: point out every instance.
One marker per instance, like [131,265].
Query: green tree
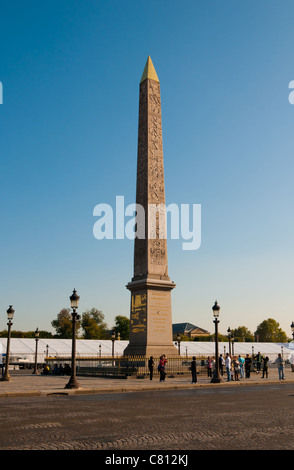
[242,334]
[93,325]
[44,334]
[269,331]
[63,324]
[122,326]
[221,338]
[25,334]
[206,338]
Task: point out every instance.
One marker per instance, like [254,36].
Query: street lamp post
[74,302]
[36,352]
[216,309]
[229,336]
[113,341]
[179,343]
[10,313]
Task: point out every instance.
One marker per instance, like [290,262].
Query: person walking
[151,366]
[265,367]
[209,366]
[228,367]
[194,370]
[241,365]
[281,365]
[248,362]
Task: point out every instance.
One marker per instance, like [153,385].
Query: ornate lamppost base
[72,383]
[216,380]
[5,378]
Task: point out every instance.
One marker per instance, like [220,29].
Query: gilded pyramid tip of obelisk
[149,71]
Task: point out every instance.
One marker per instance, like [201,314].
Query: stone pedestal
[151,318]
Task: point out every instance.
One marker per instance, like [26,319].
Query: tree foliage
[26,334]
[93,325]
[63,324]
[269,331]
[122,326]
[242,334]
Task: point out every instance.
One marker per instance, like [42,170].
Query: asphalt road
[245,418]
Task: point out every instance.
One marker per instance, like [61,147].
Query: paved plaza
[38,413]
[222,418]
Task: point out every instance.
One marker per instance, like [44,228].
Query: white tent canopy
[23,349]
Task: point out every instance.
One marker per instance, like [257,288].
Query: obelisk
[151,316]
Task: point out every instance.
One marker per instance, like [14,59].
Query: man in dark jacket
[265,367]
[258,362]
[248,362]
[151,366]
[194,370]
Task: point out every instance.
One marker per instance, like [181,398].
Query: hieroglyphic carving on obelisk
[151,320]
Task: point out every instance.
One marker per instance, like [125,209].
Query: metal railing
[135,365]
[132,365]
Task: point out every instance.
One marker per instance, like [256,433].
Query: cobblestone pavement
[215,418]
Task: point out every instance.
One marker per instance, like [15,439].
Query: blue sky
[70,72]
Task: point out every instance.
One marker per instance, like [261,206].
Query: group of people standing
[235,367]
[240,367]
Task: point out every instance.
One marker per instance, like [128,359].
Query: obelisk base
[151,318]
[150,350]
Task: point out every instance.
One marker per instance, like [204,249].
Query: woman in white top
[228,367]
